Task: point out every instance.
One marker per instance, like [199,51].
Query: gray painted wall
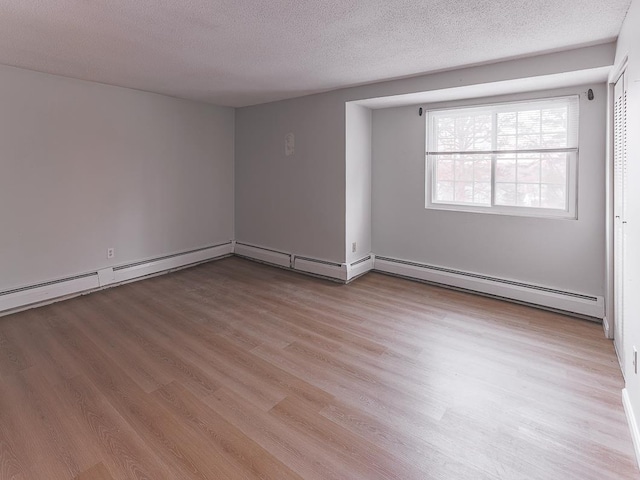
[293,204]
[298,204]
[86,166]
[558,253]
[91,166]
[358,181]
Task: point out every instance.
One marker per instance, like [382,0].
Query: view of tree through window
[512,155]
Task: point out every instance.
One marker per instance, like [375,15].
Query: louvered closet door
[619,200]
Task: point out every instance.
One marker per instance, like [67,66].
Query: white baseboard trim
[608,333]
[633,423]
[591,306]
[360,267]
[263,255]
[48,292]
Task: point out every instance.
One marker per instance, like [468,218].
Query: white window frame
[571,210]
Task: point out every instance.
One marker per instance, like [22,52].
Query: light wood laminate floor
[236,370]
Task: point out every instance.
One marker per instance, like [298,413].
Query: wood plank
[99,424]
[222,436]
[12,358]
[10,465]
[33,334]
[284,443]
[97,472]
[366,458]
[237,370]
[163,432]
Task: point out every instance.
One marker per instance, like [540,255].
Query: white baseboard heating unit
[47,292]
[265,255]
[588,305]
[360,267]
[342,272]
[323,268]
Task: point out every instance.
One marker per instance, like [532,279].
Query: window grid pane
[464,179]
[528,179]
[532,180]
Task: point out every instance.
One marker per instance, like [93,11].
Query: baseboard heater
[342,272]
[31,295]
[360,267]
[264,255]
[588,305]
[11,300]
[332,270]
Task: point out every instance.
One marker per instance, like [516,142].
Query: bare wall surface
[85,167]
[558,253]
[297,204]
[358,182]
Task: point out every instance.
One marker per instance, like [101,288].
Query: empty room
[319,240]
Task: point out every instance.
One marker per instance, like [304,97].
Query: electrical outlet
[635,360]
[111,252]
[354,247]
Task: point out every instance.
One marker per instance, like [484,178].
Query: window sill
[505,211]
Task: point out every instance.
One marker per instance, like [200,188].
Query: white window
[514,158]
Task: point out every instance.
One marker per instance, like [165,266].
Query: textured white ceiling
[241,52]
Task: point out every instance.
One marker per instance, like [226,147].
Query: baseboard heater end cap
[360,267]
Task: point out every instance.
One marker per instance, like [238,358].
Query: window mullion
[494,147]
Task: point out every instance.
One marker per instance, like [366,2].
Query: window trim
[570,213]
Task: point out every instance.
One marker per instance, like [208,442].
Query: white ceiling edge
[504,87]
